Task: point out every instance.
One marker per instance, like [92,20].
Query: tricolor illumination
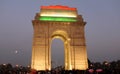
[58,13]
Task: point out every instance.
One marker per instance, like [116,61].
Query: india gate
[57,21]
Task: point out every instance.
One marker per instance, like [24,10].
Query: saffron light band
[58,7]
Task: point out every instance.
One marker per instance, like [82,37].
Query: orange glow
[58,7]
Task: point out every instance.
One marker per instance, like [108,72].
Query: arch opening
[66,41]
[57,53]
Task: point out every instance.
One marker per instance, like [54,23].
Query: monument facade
[59,22]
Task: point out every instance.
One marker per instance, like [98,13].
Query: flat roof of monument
[61,7]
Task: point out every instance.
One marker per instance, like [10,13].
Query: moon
[16,51]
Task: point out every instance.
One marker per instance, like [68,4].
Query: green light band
[64,19]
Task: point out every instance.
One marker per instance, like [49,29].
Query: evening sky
[102,30]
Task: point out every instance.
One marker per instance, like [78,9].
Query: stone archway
[67,25]
[63,36]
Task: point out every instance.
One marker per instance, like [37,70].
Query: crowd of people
[94,68]
[9,69]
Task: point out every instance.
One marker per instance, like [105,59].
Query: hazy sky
[102,29]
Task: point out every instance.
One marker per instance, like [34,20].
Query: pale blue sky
[102,28]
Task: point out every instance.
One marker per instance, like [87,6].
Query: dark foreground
[98,71]
[94,68]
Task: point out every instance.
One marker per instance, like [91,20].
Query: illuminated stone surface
[72,34]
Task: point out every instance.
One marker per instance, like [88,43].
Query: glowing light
[16,51]
[58,15]
[58,7]
[49,68]
[57,19]
[4,64]
[28,66]
[68,39]
[17,65]
[91,70]
[58,11]
[99,70]
[70,67]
